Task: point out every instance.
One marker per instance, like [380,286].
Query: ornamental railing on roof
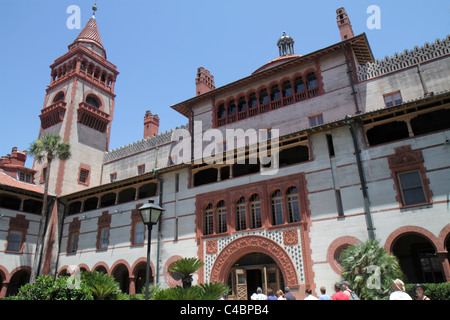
[139,146]
[409,58]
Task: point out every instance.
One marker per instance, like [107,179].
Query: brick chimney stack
[151,124]
[15,158]
[343,22]
[204,81]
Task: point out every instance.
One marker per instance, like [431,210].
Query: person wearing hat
[419,290]
[349,293]
[398,288]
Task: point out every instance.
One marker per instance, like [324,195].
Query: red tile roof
[90,33]
[9,181]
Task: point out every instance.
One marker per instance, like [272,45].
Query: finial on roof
[94,8]
[285,45]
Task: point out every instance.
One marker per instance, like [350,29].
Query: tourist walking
[324,295]
[398,288]
[339,295]
[309,295]
[258,295]
[346,289]
[280,295]
[288,295]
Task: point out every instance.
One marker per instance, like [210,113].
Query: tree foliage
[48,147]
[46,288]
[186,267]
[102,286]
[208,291]
[370,270]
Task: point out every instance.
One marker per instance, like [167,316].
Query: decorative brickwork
[290,237]
[288,257]
[408,58]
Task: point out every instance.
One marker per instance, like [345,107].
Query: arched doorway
[418,258]
[121,274]
[251,271]
[18,279]
[256,253]
[140,273]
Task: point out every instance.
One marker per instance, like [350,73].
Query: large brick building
[357,149]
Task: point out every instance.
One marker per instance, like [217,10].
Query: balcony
[92,117]
[53,114]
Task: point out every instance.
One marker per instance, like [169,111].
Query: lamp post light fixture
[150,213]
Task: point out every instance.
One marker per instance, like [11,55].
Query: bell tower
[79,106]
[344,25]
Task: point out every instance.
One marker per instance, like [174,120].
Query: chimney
[151,124]
[16,157]
[204,81]
[343,22]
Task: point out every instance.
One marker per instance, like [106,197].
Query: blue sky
[157,47]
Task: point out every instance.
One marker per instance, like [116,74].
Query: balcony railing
[92,117]
[53,114]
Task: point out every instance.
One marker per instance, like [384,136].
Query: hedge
[434,291]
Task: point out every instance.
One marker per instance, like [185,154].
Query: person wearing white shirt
[399,293]
[309,295]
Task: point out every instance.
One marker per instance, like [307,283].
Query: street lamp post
[150,213]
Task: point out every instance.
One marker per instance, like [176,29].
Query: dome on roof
[286,46]
[284,38]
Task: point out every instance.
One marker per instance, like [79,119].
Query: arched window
[242,104]
[231,108]
[311,80]
[58,97]
[313,89]
[293,205]
[287,89]
[221,111]
[93,101]
[299,85]
[221,217]
[252,101]
[277,208]
[299,89]
[241,219]
[263,97]
[275,93]
[255,212]
[231,111]
[208,219]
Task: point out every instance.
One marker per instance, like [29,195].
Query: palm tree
[186,267]
[102,286]
[48,147]
[369,269]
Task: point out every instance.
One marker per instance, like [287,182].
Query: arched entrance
[140,272]
[252,261]
[121,274]
[18,279]
[251,271]
[418,258]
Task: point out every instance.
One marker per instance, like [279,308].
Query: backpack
[353,296]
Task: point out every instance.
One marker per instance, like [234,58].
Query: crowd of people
[342,292]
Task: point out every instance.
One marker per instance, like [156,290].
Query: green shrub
[46,288]
[102,286]
[208,291]
[434,291]
[369,269]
